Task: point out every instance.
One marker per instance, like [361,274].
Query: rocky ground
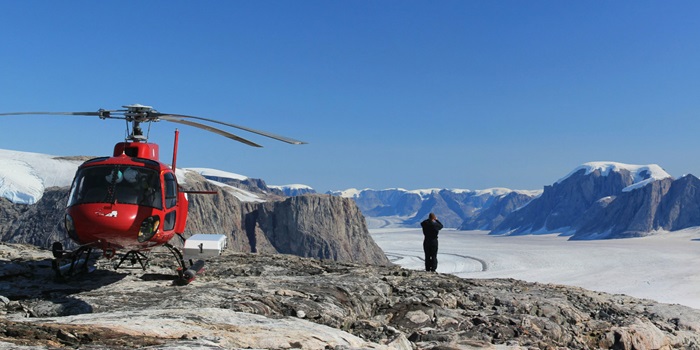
[283,301]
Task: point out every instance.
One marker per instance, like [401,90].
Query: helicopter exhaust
[192,272]
[69,268]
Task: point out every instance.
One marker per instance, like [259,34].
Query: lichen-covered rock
[347,305]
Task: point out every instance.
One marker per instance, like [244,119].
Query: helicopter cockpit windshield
[116,184]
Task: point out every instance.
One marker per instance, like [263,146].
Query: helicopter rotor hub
[140,113]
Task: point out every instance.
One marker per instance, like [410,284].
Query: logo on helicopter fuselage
[112,214]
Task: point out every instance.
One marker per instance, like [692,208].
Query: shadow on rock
[158,277]
[36,279]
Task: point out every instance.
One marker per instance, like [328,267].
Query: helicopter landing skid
[70,263]
[185,274]
[135,256]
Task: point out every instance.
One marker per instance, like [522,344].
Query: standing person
[431,226]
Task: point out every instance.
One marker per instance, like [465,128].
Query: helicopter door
[170,201]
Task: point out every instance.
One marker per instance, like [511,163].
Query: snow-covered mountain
[399,207]
[610,200]
[638,175]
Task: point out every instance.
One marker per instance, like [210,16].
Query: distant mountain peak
[641,174]
[398,207]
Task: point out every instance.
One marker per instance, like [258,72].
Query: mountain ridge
[592,201]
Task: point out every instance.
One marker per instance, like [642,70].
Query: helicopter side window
[170,190]
[170,220]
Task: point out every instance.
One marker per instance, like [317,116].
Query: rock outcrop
[282,301]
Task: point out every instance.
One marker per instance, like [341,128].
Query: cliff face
[666,205]
[627,214]
[681,207]
[318,226]
[39,224]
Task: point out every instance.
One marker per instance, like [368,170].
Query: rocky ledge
[283,301]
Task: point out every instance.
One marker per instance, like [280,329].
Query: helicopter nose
[100,222]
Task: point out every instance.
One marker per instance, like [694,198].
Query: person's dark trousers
[430,247]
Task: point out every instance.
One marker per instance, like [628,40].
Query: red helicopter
[131,201]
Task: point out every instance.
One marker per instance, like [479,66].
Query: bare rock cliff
[39,224]
[662,205]
[320,226]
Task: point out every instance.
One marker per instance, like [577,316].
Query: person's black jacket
[431,228]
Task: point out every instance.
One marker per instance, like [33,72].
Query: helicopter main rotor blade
[166,116]
[55,113]
[137,113]
[214,130]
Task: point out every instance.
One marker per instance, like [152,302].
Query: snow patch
[426,192]
[218,173]
[291,187]
[349,193]
[242,195]
[19,182]
[24,176]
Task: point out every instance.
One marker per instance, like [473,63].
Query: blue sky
[412,94]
